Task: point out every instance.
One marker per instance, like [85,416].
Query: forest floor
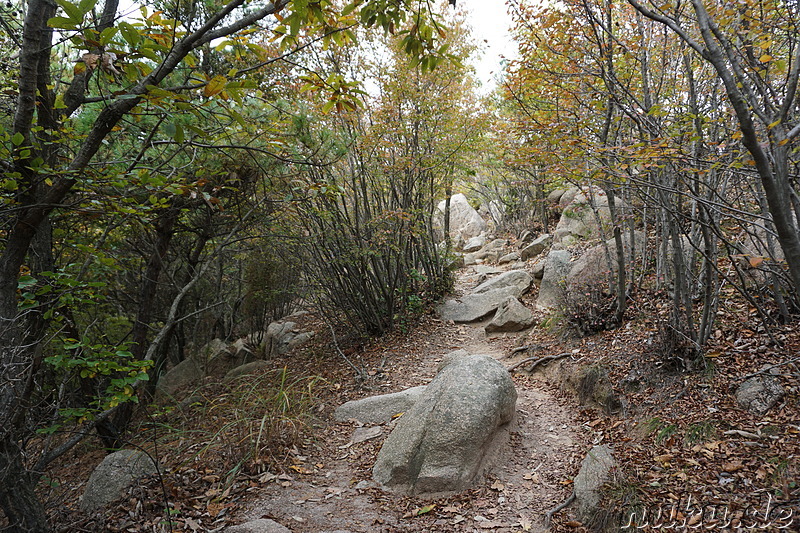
[678,435]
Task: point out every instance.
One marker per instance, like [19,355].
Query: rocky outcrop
[511,315]
[113,475]
[379,409]
[475,244]
[592,266]
[447,440]
[585,215]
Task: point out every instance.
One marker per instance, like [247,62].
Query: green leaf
[129,33]
[17,139]
[73,12]
[179,135]
[87,5]
[62,23]
[108,35]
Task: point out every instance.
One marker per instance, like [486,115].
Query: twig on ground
[549,516]
[537,361]
[767,369]
[360,374]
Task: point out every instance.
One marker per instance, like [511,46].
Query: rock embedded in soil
[595,472]
[448,439]
[379,409]
[759,394]
[117,472]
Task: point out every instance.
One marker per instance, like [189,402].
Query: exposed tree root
[537,361]
[549,516]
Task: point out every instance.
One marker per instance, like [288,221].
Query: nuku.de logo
[676,516]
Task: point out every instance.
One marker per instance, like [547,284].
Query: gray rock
[592,267]
[537,270]
[555,196]
[283,337]
[379,409]
[470,259]
[458,243]
[445,442]
[595,471]
[252,367]
[495,245]
[454,262]
[568,196]
[464,219]
[536,247]
[509,258]
[451,357]
[556,267]
[262,525]
[474,244]
[186,373]
[113,475]
[518,281]
[511,315]
[473,307]
[759,394]
[579,219]
[486,269]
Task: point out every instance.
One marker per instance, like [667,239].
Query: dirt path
[331,488]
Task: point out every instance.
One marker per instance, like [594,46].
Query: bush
[589,309]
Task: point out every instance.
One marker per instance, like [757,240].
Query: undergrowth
[246,425]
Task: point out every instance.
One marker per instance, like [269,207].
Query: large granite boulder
[446,441]
[511,315]
[117,472]
[379,409]
[464,220]
[556,268]
[517,281]
[473,307]
[486,297]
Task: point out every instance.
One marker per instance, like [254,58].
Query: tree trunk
[18,499]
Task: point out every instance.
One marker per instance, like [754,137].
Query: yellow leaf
[766,58]
[781,143]
[214,86]
[426,509]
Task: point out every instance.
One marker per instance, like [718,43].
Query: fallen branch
[549,516]
[537,361]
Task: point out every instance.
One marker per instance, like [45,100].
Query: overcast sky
[490,22]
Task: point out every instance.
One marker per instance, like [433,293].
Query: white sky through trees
[490,23]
